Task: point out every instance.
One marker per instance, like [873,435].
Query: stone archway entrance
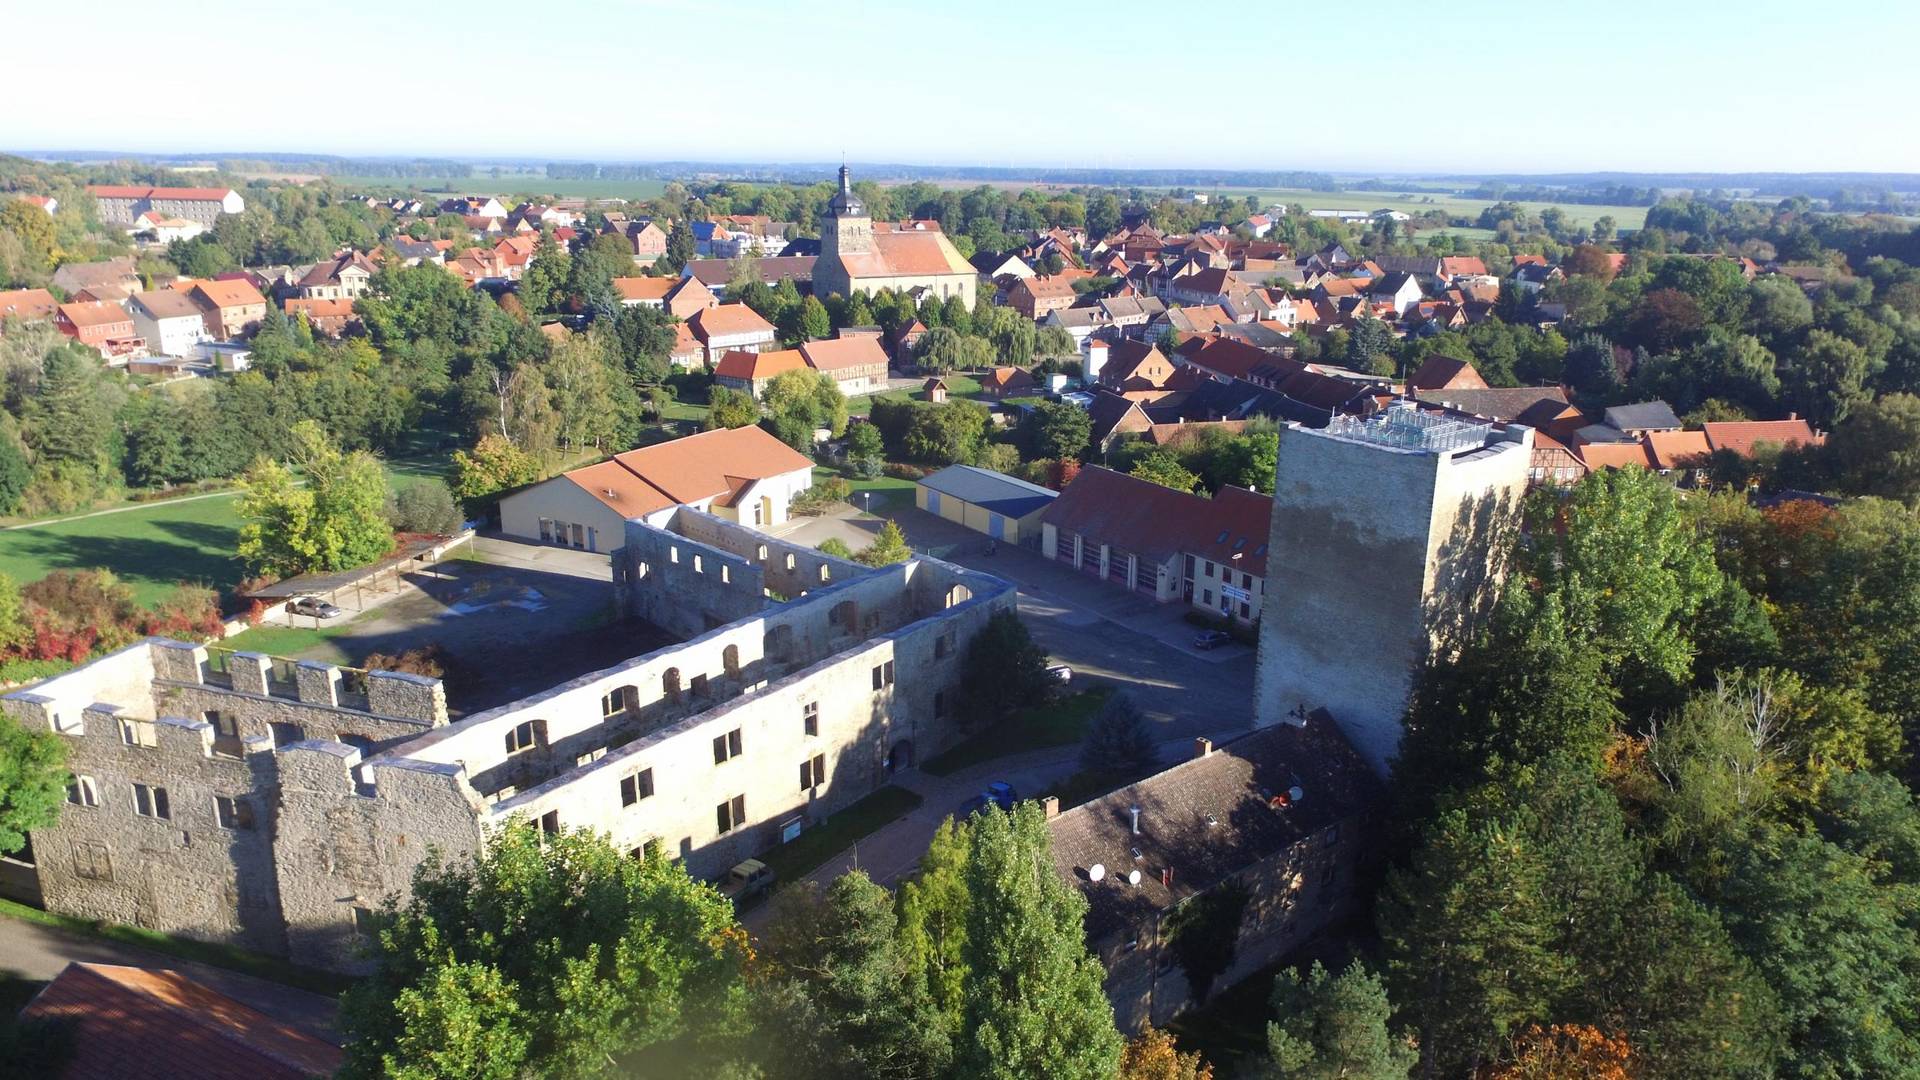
[900,757]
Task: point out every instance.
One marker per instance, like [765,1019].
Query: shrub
[1118,741]
[428,660]
[902,471]
[824,493]
[425,507]
[835,547]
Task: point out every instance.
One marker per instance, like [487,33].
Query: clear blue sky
[1392,86]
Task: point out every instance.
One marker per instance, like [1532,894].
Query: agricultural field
[506,184]
[1415,202]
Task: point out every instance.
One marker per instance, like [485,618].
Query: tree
[1825,378]
[1153,1055]
[938,350]
[68,421]
[1055,430]
[1034,1000]
[864,443]
[1004,670]
[548,955]
[839,946]
[33,777]
[1876,450]
[1329,1027]
[1370,348]
[680,246]
[810,399]
[889,547]
[335,522]
[426,506]
[1118,742]
[1163,468]
[1567,1052]
[34,229]
[944,434]
[728,408]
[495,464]
[835,547]
[276,536]
[933,924]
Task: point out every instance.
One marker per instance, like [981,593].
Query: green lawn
[151,548]
[791,862]
[304,642]
[272,968]
[888,493]
[1058,723]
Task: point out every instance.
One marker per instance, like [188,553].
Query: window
[524,736]
[1189,566]
[1206,597]
[1206,570]
[233,813]
[813,773]
[699,686]
[789,560]
[617,701]
[763,553]
[731,815]
[286,734]
[699,565]
[636,787]
[150,800]
[82,792]
[825,575]
[92,861]
[810,717]
[942,704]
[883,675]
[647,851]
[363,921]
[673,555]
[550,822]
[726,747]
[138,733]
[590,756]
[943,645]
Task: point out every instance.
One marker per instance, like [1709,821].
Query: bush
[901,471]
[425,507]
[428,660]
[835,547]
[1118,741]
[823,494]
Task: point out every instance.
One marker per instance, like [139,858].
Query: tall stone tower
[1380,547]
[847,231]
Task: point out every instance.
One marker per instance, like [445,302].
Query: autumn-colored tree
[495,464]
[1566,1052]
[1153,1055]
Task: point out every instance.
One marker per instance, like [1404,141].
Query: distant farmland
[507,183]
[1415,202]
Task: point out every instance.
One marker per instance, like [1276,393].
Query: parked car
[313,606]
[999,793]
[746,880]
[1211,639]
[1060,673]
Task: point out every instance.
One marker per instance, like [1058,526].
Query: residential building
[27,305]
[1210,554]
[856,362]
[1440,372]
[44,202]
[1388,524]
[102,326]
[730,328]
[329,317]
[117,273]
[1636,420]
[118,1020]
[170,321]
[1397,290]
[232,309]
[1038,297]
[347,276]
[649,242]
[751,372]
[204,798]
[1004,507]
[1745,437]
[1284,817]
[1135,365]
[716,273]
[158,229]
[856,257]
[680,297]
[123,205]
[741,474]
[1005,382]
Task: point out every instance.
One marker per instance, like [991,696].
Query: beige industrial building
[742,474]
[277,805]
[1001,506]
[1388,524]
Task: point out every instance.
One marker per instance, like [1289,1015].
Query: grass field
[151,548]
[507,184]
[1059,723]
[791,862]
[1415,202]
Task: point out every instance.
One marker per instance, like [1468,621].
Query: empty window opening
[232,812]
[726,747]
[81,791]
[636,787]
[150,800]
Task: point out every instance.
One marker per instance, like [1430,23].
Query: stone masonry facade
[276,804]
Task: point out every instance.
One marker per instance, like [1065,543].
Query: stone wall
[1370,551]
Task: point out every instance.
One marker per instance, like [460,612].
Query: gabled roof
[716,465]
[1438,372]
[1615,455]
[717,272]
[341,308]
[1045,288]
[1461,265]
[644,288]
[1493,402]
[226,294]
[1208,818]
[129,1021]
[843,353]
[1677,449]
[752,366]
[1002,494]
[1159,522]
[1646,415]
[1742,436]
[728,319]
[907,254]
[93,313]
[1003,379]
[28,304]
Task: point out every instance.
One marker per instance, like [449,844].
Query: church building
[855,258]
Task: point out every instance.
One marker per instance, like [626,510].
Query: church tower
[851,230]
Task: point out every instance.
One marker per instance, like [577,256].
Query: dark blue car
[999,793]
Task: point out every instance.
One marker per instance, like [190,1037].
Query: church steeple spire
[845,203]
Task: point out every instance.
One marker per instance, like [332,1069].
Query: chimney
[1135,811]
[1050,806]
[1202,746]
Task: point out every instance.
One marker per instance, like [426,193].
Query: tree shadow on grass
[156,562]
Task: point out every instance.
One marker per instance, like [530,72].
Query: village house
[680,297]
[716,273]
[232,309]
[331,318]
[856,363]
[27,305]
[751,372]
[1038,297]
[104,327]
[171,323]
[117,273]
[741,474]
[123,205]
[730,328]
[1270,830]
[347,276]
[156,229]
[1006,382]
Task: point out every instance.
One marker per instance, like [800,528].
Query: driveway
[36,953]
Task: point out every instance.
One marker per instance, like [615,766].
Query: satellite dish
[1096,872]
[1295,793]
[1133,877]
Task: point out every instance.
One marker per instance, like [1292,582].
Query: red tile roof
[840,354]
[728,319]
[112,191]
[1439,372]
[27,304]
[226,294]
[908,254]
[1457,265]
[752,366]
[134,1022]
[1159,522]
[714,465]
[644,288]
[1741,436]
[1613,455]
[321,309]
[94,313]
[1677,449]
